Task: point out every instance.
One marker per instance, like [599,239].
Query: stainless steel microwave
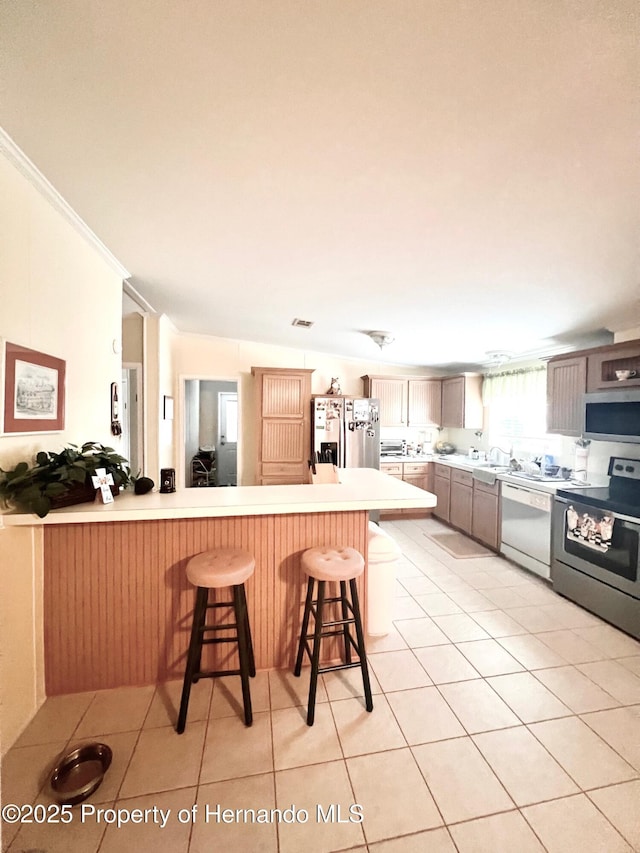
[613,415]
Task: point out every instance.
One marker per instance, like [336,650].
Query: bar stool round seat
[332,564]
[220,567]
[337,565]
[216,569]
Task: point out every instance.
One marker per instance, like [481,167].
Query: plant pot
[79,493]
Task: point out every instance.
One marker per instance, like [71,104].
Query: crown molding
[30,171]
[138,298]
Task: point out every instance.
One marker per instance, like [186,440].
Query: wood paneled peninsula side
[116,603]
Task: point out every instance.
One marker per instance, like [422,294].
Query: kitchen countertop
[463,463]
[358,489]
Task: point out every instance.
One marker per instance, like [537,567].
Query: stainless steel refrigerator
[346,431]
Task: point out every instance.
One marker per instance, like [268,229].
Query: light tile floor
[505,718]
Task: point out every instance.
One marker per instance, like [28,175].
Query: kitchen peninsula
[117,605]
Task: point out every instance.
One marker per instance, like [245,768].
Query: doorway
[131,414]
[210,433]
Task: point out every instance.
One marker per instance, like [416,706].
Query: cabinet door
[285,396]
[420,481]
[417,480]
[442,491]
[453,402]
[461,504]
[425,402]
[392,394]
[485,518]
[566,384]
[283,441]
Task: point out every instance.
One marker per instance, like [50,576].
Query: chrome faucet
[510,452]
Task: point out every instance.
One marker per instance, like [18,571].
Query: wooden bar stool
[338,565]
[221,567]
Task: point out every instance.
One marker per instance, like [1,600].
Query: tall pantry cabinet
[284,438]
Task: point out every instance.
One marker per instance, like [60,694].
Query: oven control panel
[628,469]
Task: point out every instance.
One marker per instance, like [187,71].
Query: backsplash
[561,447]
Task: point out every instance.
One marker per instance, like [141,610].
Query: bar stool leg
[252,662]
[345,615]
[194,653]
[305,627]
[202,623]
[239,606]
[315,658]
[361,649]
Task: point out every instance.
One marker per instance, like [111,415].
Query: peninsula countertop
[117,603]
[358,489]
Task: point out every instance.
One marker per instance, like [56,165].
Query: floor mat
[459,545]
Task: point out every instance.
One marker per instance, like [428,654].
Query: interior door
[227,439]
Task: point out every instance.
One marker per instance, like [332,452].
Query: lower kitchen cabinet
[463,502]
[485,524]
[468,504]
[419,474]
[391,469]
[460,511]
[442,491]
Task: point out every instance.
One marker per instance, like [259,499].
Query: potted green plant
[61,479]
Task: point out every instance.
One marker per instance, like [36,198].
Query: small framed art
[34,390]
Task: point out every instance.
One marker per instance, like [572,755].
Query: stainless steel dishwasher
[526,527]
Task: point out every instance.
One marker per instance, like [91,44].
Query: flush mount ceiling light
[496,358]
[383,339]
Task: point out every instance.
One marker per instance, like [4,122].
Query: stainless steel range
[596,535]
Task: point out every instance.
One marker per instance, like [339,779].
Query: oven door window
[602,539]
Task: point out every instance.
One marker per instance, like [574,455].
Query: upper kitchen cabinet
[425,402]
[566,385]
[570,376]
[616,366]
[462,401]
[393,394]
[284,440]
[404,401]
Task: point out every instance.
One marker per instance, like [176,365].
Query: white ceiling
[461,173]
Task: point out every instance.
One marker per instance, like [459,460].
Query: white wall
[225,359]
[58,295]
[627,335]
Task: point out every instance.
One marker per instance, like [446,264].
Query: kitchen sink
[538,478]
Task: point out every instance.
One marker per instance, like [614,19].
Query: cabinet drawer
[479,486]
[417,467]
[287,469]
[282,480]
[463,477]
[442,471]
[391,468]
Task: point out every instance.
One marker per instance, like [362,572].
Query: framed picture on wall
[33,391]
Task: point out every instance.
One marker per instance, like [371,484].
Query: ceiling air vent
[305,324]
